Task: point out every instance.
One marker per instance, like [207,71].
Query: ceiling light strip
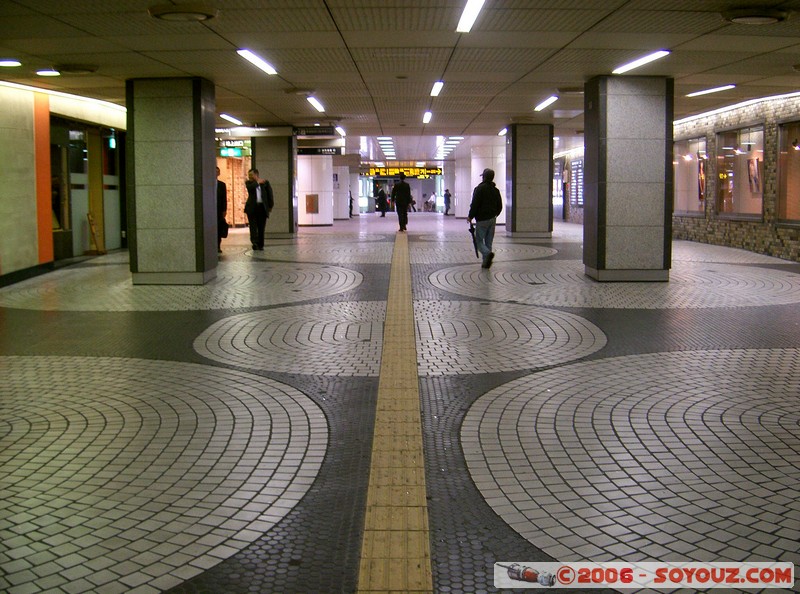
[257,61]
[546,103]
[231,119]
[736,106]
[640,62]
[469,15]
[315,102]
[99,102]
[709,91]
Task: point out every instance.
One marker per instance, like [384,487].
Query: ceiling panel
[372,62]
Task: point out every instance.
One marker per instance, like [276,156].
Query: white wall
[19,243]
[315,176]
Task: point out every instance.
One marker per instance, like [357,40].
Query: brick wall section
[766,236]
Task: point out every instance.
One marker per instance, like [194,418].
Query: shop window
[740,170]
[689,172]
[789,173]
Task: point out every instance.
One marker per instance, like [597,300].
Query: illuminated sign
[230,152]
[321,150]
[421,172]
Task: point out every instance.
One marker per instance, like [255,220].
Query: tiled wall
[18,232]
[766,236]
[530,159]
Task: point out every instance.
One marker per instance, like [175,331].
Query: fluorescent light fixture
[384,137]
[471,11]
[640,62]
[231,119]
[427,117]
[341,131]
[503,132]
[256,61]
[709,91]
[9,63]
[317,105]
[437,88]
[419,164]
[547,102]
[48,72]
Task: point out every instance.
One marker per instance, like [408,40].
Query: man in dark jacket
[401,198]
[258,206]
[222,212]
[486,205]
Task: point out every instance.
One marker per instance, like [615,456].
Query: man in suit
[401,197]
[258,206]
[222,211]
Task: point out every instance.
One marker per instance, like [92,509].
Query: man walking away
[401,197]
[485,207]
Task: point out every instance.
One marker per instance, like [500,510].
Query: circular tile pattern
[564,284]
[125,452]
[322,339]
[463,252]
[666,453]
[334,253]
[687,251]
[238,285]
[468,337]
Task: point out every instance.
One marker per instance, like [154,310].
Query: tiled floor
[220,438]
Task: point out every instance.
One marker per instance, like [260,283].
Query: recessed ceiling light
[427,117]
[503,132]
[754,16]
[189,11]
[48,72]
[9,63]
[437,88]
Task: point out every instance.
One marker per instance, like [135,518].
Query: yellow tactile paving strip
[395,553]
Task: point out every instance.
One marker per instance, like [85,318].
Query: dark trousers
[402,216]
[257,220]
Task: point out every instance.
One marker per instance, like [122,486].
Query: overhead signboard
[321,150]
[316,131]
[409,171]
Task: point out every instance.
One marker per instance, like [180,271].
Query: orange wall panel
[44,207]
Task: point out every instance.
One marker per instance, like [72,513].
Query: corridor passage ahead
[360,410]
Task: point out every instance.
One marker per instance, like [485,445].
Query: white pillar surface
[315,190]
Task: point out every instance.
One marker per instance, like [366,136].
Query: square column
[171,161]
[529,180]
[627,231]
[275,157]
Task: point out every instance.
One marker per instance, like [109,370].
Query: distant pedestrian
[447,197]
[401,197]
[380,200]
[485,207]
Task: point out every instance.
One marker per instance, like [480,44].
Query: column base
[627,275]
[531,234]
